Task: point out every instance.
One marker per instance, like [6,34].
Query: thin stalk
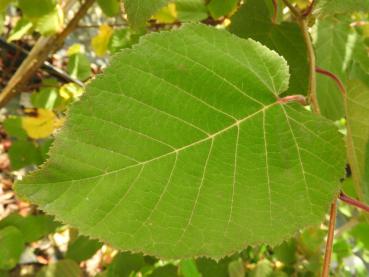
[353,202]
[275,11]
[329,244]
[337,80]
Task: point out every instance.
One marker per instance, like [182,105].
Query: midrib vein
[212,136]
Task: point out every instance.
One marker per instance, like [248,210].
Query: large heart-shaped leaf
[183,148]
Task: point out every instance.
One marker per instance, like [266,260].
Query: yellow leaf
[100,42]
[70,91]
[167,14]
[42,125]
[76,48]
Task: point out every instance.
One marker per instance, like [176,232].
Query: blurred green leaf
[191,10]
[63,268]
[23,153]
[360,233]
[13,127]
[122,38]
[22,27]
[253,20]
[109,7]
[341,249]
[79,66]
[236,268]
[46,98]
[4,4]
[51,22]
[331,41]
[219,8]
[286,252]
[82,248]
[264,268]
[211,268]
[124,264]
[334,7]
[37,8]
[32,227]
[165,271]
[11,247]
[139,11]
[188,268]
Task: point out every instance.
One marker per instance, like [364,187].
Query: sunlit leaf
[182,148]
[109,7]
[22,27]
[42,125]
[37,8]
[100,42]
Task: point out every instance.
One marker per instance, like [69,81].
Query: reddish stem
[353,202]
[293,98]
[329,244]
[329,74]
[309,9]
[275,12]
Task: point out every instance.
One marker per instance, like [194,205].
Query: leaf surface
[181,148]
[253,20]
[357,112]
[139,11]
[331,41]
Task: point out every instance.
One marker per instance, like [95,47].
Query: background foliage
[34,244]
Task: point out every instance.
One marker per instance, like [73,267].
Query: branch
[353,202]
[40,52]
[48,67]
[329,244]
[295,11]
[329,74]
[309,9]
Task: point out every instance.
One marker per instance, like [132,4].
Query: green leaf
[33,227]
[139,11]
[236,268]
[357,112]
[331,41]
[51,22]
[333,7]
[109,7]
[124,264]
[191,10]
[61,268]
[22,27]
[79,66]
[12,245]
[13,127]
[46,98]
[211,268]
[123,38]
[264,268]
[186,150]
[23,153]
[4,4]
[219,8]
[253,20]
[188,268]
[82,248]
[37,8]
[360,233]
[165,271]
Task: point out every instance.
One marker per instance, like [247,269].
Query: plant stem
[329,74]
[329,244]
[303,23]
[312,65]
[309,9]
[296,12]
[353,202]
[293,98]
